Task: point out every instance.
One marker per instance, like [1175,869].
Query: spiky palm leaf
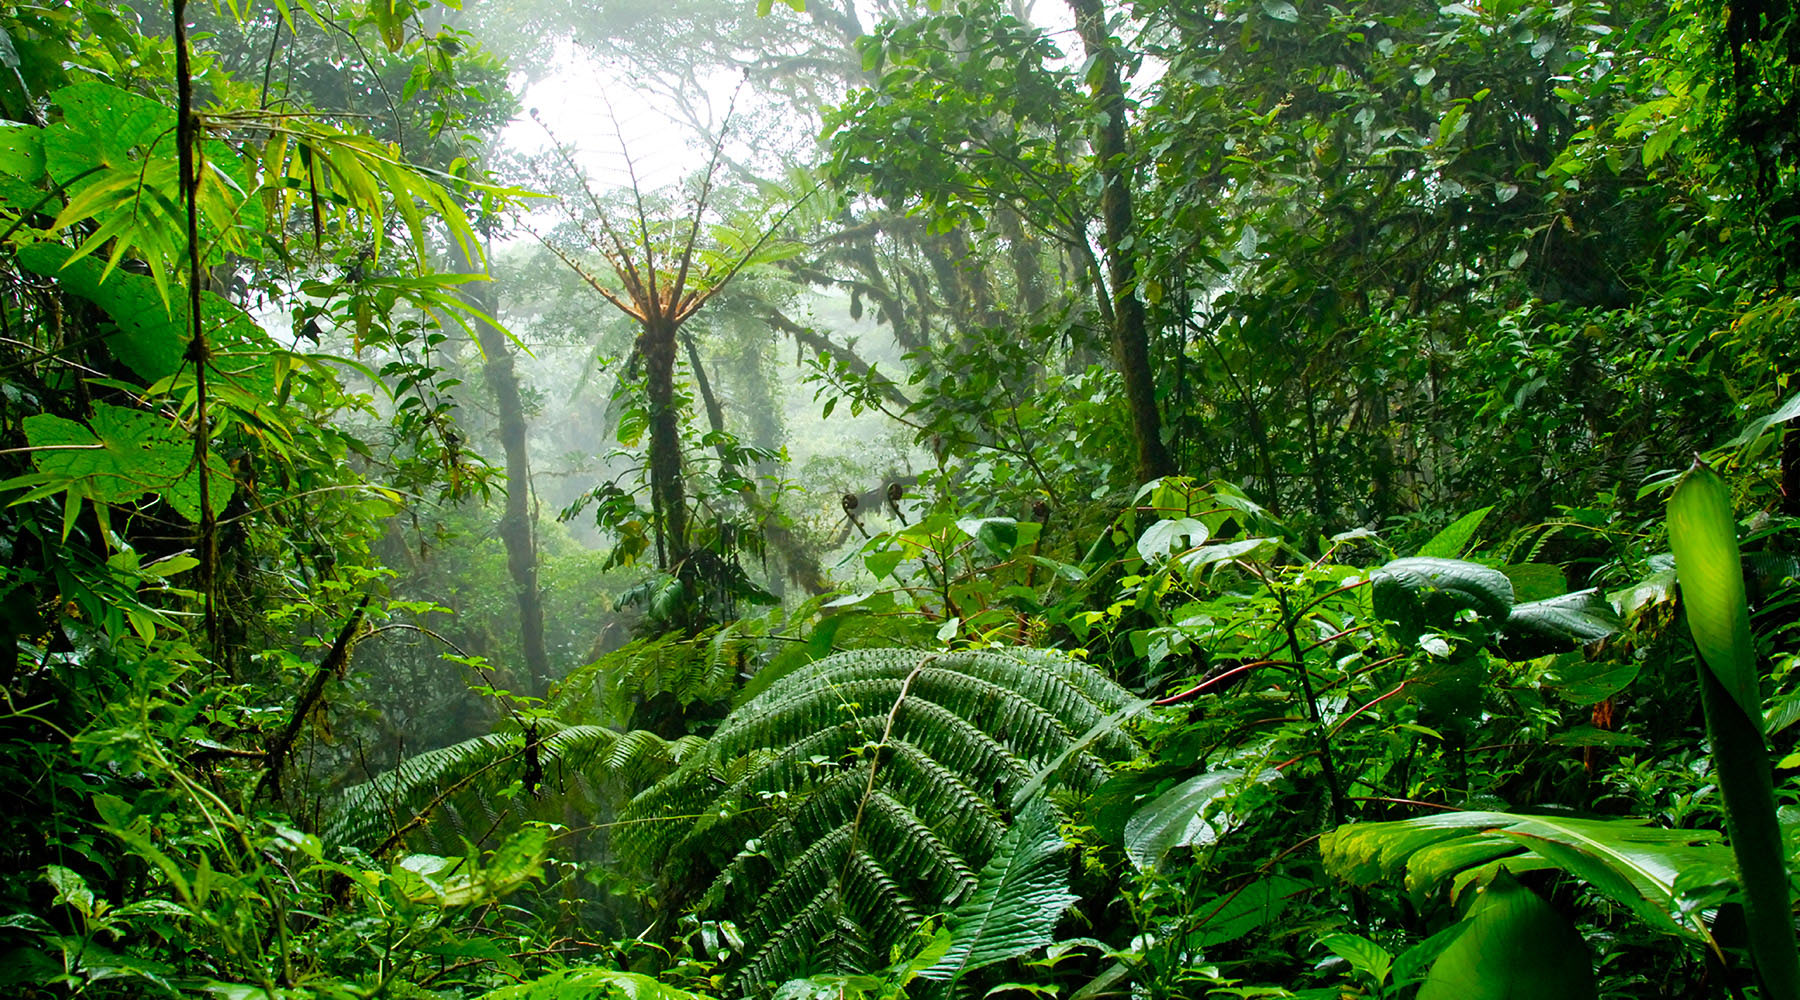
[864,792]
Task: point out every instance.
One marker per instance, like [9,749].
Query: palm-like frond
[462,784]
[861,793]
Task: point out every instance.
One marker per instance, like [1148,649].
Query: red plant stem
[1200,688]
[1378,700]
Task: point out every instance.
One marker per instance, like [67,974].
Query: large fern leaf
[863,792]
[464,785]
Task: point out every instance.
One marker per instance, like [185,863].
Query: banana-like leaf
[1515,947]
[1703,534]
[1634,865]
[1023,891]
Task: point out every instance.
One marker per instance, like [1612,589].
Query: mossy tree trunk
[516,528]
[1130,327]
[668,491]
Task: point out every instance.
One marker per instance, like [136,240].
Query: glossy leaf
[1450,542]
[1634,865]
[1515,947]
[1421,592]
[1557,624]
[1177,818]
[1703,534]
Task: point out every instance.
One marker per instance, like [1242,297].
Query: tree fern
[859,794]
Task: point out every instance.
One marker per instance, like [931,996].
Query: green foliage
[1178,817]
[591,982]
[1019,896]
[861,793]
[1702,533]
[1512,945]
[472,785]
[1440,299]
[1662,876]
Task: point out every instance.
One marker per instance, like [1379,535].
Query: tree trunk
[516,522]
[1130,329]
[668,494]
[802,564]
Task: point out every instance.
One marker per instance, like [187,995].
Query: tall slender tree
[1130,327]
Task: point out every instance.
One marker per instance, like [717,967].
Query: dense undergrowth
[1431,628]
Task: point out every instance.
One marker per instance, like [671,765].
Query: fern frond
[371,810]
[857,794]
[461,785]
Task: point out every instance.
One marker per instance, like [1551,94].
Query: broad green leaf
[1208,555]
[150,340]
[1483,588]
[882,562]
[1559,623]
[21,165]
[999,536]
[1177,818]
[1428,594]
[1634,865]
[153,335]
[70,888]
[1515,947]
[1281,10]
[1413,963]
[1449,543]
[1703,534]
[1586,683]
[123,454]
[1022,892]
[1238,913]
[1536,581]
[1165,537]
[1365,956]
[1756,428]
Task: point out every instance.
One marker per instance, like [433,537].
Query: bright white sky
[573,99]
[604,117]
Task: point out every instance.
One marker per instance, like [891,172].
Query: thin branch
[333,662]
[706,186]
[637,197]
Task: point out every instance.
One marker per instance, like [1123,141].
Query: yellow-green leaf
[1703,536]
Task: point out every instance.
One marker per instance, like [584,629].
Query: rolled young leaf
[1703,536]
